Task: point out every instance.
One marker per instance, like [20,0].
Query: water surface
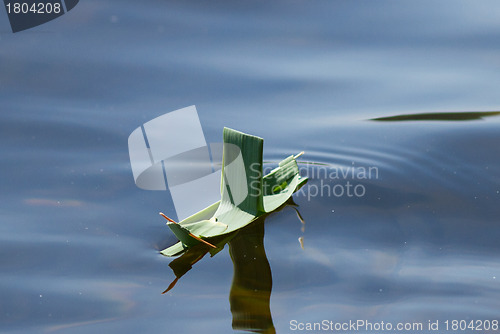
[79,241]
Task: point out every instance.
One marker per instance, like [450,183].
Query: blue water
[79,241]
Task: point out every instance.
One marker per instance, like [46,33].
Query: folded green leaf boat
[246,193]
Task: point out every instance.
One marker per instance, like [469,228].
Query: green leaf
[192,255]
[245,193]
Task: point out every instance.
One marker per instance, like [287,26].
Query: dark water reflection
[440,116]
[252,281]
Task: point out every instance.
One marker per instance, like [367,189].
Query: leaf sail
[245,193]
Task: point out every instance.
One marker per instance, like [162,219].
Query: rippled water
[79,241]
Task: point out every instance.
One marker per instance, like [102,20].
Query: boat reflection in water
[252,279]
